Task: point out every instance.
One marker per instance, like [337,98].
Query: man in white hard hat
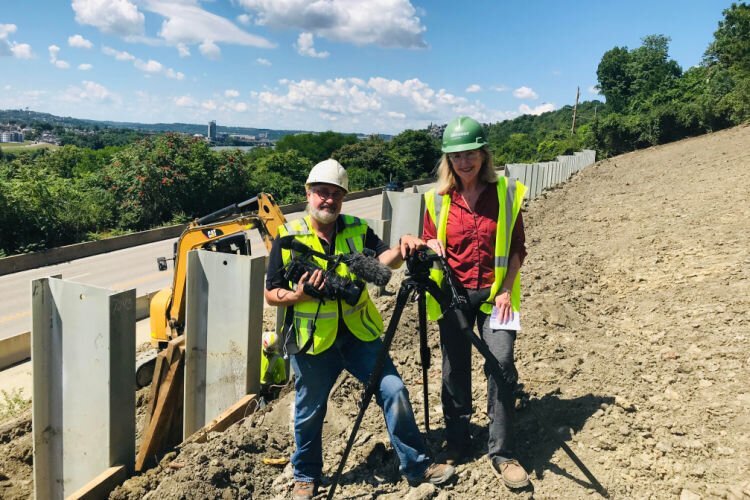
[326,337]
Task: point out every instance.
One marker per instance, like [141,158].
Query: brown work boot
[436,474]
[304,490]
[510,473]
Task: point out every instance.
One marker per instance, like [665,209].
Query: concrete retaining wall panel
[223,329]
[83,356]
[405,211]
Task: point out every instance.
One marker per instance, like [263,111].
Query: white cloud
[175,75]
[187,23]
[91,92]
[54,50]
[209,105]
[184,101]
[239,107]
[387,23]
[117,54]
[244,19]
[525,93]
[594,90]
[7,29]
[13,48]
[119,17]
[149,66]
[538,110]
[500,88]
[85,67]
[79,42]
[305,47]
[383,104]
[183,50]
[231,93]
[19,50]
[210,50]
[473,88]
[263,62]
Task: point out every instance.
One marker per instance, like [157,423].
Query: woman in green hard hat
[473,219]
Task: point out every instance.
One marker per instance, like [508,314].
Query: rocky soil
[634,350]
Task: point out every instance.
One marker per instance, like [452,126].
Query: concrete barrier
[84,390]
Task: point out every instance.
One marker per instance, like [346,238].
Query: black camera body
[334,287]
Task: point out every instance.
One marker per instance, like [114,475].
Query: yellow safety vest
[510,194]
[322,320]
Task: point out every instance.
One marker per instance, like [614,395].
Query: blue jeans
[315,376]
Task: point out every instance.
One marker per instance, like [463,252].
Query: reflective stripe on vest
[510,198]
[322,320]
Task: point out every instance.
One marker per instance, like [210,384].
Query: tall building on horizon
[212,130]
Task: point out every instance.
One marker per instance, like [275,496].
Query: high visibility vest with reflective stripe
[510,194]
[362,319]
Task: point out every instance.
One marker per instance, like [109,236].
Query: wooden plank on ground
[168,394]
[102,485]
[239,410]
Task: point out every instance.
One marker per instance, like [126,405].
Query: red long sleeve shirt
[470,238]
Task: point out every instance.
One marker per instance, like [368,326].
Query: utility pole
[575,108]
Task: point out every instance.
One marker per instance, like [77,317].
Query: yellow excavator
[224,230]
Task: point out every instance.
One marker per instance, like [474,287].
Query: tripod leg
[372,384]
[424,354]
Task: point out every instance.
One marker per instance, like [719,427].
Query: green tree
[414,155]
[160,177]
[366,162]
[316,147]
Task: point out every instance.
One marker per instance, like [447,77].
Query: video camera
[366,268]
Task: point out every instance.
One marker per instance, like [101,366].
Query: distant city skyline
[379,66]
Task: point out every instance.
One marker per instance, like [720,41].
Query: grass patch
[15,147]
[12,403]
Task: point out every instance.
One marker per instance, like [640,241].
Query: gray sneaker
[436,474]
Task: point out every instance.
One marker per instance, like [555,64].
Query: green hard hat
[463,134]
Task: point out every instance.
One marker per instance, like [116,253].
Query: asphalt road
[122,270]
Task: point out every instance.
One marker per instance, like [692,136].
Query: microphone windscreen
[369,269]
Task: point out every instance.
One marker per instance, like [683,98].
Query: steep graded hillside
[634,348]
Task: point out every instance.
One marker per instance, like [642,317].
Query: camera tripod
[416,284]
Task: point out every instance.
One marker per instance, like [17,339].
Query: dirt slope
[634,349]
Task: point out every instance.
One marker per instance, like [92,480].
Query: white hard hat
[329,172]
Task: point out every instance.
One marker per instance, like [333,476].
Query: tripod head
[418,266]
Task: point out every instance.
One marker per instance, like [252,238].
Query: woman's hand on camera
[436,247]
[408,243]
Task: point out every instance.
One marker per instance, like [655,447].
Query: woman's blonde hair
[447,179]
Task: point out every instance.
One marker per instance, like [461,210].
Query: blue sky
[344,65]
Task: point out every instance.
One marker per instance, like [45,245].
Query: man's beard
[322,216]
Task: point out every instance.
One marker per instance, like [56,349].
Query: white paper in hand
[514,323]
